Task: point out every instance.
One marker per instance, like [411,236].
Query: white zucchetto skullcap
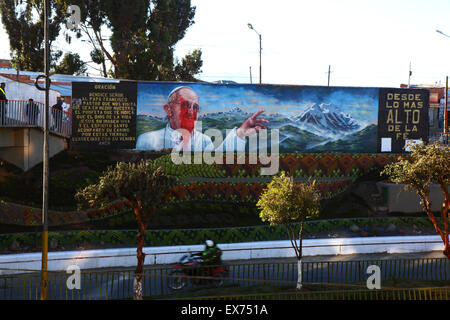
[176,89]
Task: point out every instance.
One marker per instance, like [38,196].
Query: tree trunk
[432,217]
[443,233]
[137,287]
[140,266]
[111,58]
[444,211]
[300,255]
[299,274]
[138,274]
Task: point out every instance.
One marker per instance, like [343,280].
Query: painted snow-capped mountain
[318,127]
[325,120]
[232,112]
[321,119]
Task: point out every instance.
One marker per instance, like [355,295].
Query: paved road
[118,283]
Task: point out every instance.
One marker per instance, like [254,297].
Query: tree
[71,64]
[143,186]
[189,66]
[24,23]
[143,36]
[427,164]
[286,202]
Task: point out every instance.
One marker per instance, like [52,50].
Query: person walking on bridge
[3,102]
[57,111]
[32,111]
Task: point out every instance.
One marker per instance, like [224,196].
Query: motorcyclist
[211,255]
[202,267]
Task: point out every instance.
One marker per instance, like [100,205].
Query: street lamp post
[260,49]
[439,31]
[446,93]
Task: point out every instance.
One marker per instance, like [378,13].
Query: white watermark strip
[232,147]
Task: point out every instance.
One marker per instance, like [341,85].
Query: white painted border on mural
[126,257]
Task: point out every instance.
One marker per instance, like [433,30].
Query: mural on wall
[309,119]
[103,115]
[403,117]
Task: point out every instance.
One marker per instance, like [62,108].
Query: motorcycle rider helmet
[209,243]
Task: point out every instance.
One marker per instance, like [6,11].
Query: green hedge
[197,236]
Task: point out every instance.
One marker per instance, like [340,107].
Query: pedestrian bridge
[21,132]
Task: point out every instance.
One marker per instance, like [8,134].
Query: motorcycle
[189,268]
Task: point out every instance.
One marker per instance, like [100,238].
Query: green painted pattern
[197,236]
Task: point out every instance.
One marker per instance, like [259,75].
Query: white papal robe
[167,138]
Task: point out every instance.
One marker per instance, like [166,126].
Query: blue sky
[361,103]
[367,43]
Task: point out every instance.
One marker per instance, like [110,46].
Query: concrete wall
[399,200]
[7,137]
[95,259]
[23,147]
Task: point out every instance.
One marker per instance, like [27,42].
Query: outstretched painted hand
[252,125]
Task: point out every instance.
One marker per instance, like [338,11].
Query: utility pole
[329,71]
[445,111]
[260,50]
[260,66]
[46,156]
[409,75]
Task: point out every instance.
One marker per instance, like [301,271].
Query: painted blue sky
[360,103]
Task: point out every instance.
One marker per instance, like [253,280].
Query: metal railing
[382,294]
[333,275]
[440,137]
[18,113]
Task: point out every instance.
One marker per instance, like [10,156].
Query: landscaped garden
[209,201]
